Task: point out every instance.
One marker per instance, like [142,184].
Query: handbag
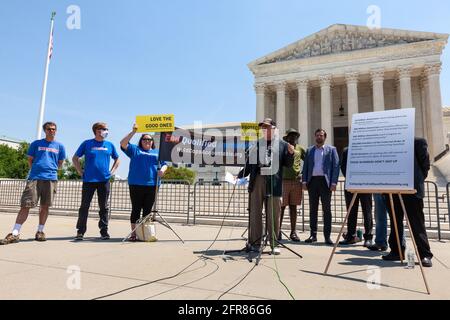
[146,232]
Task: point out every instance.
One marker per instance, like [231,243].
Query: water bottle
[410,259]
[359,235]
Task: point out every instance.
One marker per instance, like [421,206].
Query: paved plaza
[31,270]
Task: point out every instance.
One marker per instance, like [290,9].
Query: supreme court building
[322,80]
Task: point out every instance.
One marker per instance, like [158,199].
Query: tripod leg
[415,244]
[396,228]
[289,249]
[261,249]
[341,231]
[167,225]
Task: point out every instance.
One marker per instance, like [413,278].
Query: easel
[391,193]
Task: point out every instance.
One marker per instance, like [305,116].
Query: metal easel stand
[399,193]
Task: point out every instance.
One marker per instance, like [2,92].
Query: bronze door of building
[341,139]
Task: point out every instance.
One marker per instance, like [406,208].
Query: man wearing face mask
[96,175]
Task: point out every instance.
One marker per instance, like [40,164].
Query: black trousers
[89,189]
[318,189]
[414,210]
[366,206]
[142,199]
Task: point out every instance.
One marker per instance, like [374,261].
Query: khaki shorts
[44,190]
[292,193]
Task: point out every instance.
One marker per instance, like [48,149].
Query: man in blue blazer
[320,178]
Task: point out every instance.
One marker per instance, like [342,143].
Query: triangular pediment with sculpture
[344,38]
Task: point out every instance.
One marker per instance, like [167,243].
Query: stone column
[303,112]
[352,93]
[281,106]
[377,76]
[326,107]
[425,109]
[404,74]
[260,89]
[437,143]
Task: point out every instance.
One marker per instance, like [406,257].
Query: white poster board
[381,151]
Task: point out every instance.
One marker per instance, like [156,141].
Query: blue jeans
[380,220]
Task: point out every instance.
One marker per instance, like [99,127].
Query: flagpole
[44,86]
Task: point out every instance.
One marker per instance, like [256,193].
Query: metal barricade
[173,197]
[11,192]
[219,199]
[448,201]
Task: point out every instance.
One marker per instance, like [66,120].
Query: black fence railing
[218,199]
[173,196]
[448,200]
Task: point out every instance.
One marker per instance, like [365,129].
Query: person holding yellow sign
[143,175]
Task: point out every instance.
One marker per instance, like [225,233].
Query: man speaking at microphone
[264,165]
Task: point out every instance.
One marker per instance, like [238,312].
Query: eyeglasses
[50,129]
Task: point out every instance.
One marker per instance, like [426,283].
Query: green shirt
[294,172]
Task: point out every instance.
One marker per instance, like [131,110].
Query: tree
[179,174]
[14,163]
[68,171]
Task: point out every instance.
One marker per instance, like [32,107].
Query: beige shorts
[292,193]
[44,190]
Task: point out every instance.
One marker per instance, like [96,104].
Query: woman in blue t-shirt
[143,175]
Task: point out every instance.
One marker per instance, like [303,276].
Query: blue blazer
[330,165]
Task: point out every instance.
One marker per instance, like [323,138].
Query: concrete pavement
[63,269]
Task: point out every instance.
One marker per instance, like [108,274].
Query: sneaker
[79,237]
[105,236]
[10,238]
[276,251]
[40,236]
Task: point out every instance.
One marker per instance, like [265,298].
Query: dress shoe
[329,242]
[347,242]
[368,243]
[391,257]
[426,262]
[294,237]
[311,239]
[377,247]
[253,248]
[280,237]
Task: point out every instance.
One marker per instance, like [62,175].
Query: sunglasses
[103,129]
[50,129]
[147,139]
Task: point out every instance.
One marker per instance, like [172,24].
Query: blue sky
[187,57]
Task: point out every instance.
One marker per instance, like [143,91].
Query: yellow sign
[156,123]
[250,131]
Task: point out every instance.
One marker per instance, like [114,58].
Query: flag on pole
[44,86]
[51,46]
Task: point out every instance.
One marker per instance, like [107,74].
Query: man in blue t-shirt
[96,174]
[45,157]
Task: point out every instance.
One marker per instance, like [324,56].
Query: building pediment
[338,39]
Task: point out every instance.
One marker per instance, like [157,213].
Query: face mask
[104,134]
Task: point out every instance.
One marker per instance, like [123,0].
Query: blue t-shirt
[46,156]
[97,156]
[143,166]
